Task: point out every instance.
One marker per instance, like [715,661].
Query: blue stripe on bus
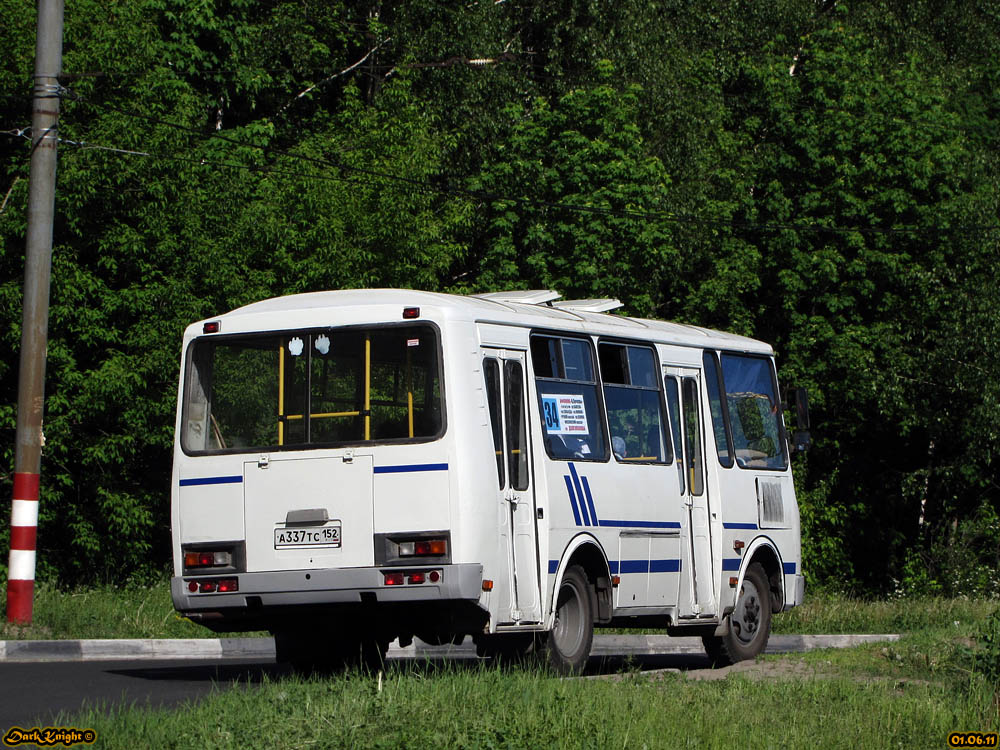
[789,568]
[553,566]
[590,501]
[579,495]
[731,563]
[616,567]
[664,566]
[572,499]
[408,468]
[739,525]
[633,566]
[211,480]
[642,524]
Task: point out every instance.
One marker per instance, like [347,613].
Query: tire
[749,622]
[567,646]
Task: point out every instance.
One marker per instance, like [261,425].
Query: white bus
[354,467]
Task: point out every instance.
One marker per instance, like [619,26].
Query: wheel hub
[746,618]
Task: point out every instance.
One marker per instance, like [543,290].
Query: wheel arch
[763,550]
[584,550]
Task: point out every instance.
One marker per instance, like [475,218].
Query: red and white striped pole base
[23,533]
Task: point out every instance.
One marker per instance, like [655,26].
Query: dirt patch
[783,669]
[771,670]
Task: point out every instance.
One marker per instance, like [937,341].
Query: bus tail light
[424,548]
[213,558]
[415,578]
[393,579]
[208,559]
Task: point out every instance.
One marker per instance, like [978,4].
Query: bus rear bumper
[343,586]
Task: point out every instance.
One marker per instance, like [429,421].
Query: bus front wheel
[749,622]
[568,644]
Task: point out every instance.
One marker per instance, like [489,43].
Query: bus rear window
[312,387]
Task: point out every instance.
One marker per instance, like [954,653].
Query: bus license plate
[307,536]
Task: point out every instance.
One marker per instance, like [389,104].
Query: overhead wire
[486,196]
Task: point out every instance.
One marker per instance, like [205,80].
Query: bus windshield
[298,389]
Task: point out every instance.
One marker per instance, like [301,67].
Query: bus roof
[532,309]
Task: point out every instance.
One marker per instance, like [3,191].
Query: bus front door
[683,389]
[506,384]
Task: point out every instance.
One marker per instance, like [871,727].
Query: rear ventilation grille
[772,509]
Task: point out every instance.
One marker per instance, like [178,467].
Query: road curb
[263,648]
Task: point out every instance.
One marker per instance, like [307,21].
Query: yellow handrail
[409,389]
[324,415]
[368,385]
[281,395]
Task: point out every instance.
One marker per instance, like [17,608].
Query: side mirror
[801,441]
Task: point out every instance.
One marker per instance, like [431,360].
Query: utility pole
[35,328]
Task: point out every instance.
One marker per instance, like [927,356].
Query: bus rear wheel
[749,622]
[567,646]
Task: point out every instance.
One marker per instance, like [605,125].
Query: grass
[104,612]
[834,613]
[864,699]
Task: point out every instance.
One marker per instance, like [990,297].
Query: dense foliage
[821,175]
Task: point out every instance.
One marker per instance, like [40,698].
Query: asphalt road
[35,694]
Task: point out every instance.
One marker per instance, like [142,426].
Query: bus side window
[567,398]
[491,371]
[692,435]
[632,399]
[723,442]
[674,406]
[517,432]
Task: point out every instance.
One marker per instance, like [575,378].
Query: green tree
[576,201]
